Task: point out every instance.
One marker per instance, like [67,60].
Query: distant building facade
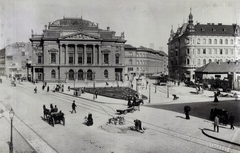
[143,61]
[76,49]
[193,46]
[16,57]
[2,62]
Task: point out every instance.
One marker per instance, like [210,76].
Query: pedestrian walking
[43,87]
[231,120]
[147,84]
[74,107]
[96,94]
[216,123]
[47,88]
[35,89]
[215,97]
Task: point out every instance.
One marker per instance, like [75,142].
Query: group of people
[227,120]
[132,101]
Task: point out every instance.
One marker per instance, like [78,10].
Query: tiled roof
[215,29]
[128,46]
[222,67]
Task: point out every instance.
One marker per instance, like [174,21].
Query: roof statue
[122,35]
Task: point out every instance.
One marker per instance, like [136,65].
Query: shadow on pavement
[202,109]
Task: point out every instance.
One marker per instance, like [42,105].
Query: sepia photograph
[120,76]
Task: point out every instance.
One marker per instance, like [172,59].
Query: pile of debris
[119,120]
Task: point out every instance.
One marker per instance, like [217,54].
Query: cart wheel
[63,121]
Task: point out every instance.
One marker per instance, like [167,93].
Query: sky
[143,22]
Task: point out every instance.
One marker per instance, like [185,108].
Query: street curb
[203,131]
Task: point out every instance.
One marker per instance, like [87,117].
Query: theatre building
[76,49]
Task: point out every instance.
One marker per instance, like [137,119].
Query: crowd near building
[195,45]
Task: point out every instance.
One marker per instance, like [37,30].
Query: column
[85,54]
[60,54]
[75,55]
[66,56]
[100,55]
[94,56]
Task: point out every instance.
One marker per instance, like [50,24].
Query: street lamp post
[167,90]
[94,79]
[149,96]
[11,115]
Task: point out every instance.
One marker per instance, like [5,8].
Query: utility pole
[149,96]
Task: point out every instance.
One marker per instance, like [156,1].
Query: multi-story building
[143,61]
[193,46]
[16,57]
[2,61]
[77,49]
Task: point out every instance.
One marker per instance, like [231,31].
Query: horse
[46,112]
[137,103]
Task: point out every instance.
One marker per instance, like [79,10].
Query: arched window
[226,41]
[231,41]
[188,61]
[71,75]
[106,74]
[204,41]
[137,62]
[215,41]
[141,62]
[53,74]
[130,62]
[210,41]
[199,62]
[117,58]
[137,68]
[221,41]
[137,55]
[204,61]
[80,74]
[89,75]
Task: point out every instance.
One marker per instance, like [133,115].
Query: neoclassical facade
[193,46]
[143,61]
[77,49]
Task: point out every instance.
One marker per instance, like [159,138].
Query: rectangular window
[70,58]
[39,59]
[226,51]
[80,58]
[89,58]
[210,51]
[231,51]
[204,51]
[53,58]
[176,53]
[198,51]
[215,51]
[105,58]
[220,51]
[23,53]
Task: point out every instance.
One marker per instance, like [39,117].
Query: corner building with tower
[195,45]
[75,49]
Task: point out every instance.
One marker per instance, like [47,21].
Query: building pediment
[80,36]
[106,51]
[53,50]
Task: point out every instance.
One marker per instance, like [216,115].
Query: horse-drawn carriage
[53,117]
[131,108]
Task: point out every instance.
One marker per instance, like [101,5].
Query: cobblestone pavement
[183,142]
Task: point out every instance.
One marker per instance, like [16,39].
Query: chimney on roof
[108,28]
